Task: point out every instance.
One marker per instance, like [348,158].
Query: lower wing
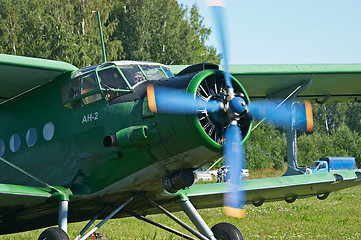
[288,188]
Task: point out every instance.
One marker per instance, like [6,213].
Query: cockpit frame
[110,80]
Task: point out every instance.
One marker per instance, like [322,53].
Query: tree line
[162,31]
[167,32]
[337,133]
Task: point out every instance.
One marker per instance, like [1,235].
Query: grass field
[337,217]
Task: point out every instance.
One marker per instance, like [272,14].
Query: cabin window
[31,137]
[14,142]
[82,91]
[48,131]
[2,147]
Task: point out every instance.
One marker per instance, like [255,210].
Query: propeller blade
[169,100]
[296,114]
[217,7]
[235,198]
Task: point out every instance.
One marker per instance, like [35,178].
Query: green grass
[337,217]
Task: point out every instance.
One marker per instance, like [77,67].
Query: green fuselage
[65,146]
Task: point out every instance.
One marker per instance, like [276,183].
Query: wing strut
[26,173]
[290,94]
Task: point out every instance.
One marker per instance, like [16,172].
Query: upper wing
[277,189]
[19,74]
[339,82]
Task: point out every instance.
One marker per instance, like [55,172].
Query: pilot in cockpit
[138,77]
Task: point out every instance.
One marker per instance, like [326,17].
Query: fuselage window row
[31,138]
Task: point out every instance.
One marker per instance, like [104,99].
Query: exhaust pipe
[178,180]
[127,137]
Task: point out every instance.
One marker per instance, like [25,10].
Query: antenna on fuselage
[101,36]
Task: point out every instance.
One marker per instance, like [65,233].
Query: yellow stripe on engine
[151,99]
[309,116]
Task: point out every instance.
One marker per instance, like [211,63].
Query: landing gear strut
[221,231]
[59,233]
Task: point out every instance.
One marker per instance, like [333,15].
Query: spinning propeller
[297,115]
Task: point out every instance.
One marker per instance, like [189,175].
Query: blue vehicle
[329,164]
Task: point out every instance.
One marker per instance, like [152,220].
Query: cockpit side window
[112,83]
[82,90]
[154,72]
[75,88]
[89,84]
[110,78]
[168,72]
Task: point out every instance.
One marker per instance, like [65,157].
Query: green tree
[162,31]
[266,144]
[60,30]
[336,133]
[10,27]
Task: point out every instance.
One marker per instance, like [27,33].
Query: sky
[289,31]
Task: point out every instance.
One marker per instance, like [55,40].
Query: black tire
[291,199]
[53,233]
[226,231]
[323,196]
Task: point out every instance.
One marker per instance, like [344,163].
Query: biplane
[123,138]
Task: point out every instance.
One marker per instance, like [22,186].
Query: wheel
[258,203]
[323,196]
[226,231]
[291,199]
[53,233]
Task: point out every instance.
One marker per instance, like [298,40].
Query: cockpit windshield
[132,73]
[125,75]
[118,78]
